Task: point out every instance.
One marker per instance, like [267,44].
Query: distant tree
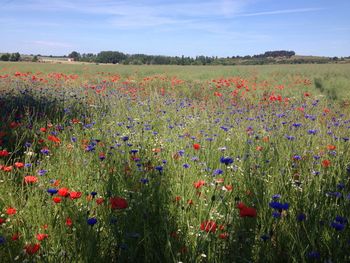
[15,57]
[35,59]
[74,55]
[5,57]
[110,57]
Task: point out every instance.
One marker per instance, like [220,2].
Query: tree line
[116,57]
[10,57]
[269,57]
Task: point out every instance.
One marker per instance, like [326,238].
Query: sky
[183,27]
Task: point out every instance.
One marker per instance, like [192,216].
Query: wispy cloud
[281,12]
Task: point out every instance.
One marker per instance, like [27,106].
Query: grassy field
[112,163]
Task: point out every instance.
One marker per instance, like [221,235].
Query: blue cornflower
[45,151]
[92,221]
[159,168]
[217,172]
[279,206]
[341,220]
[276,196]
[73,139]
[52,191]
[291,138]
[90,148]
[341,186]
[296,124]
[334,194]
[226,160]
[186,165]
[144,180]
[337,226]
[2,240]
[276,214]
[181,152]
[265,237]
[301,217]
[297,157]
[27,144]
[313,255]
[313,132]
[93,194]
[348,169]
[125,138]
[42,172]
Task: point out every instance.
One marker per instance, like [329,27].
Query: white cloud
[280,12]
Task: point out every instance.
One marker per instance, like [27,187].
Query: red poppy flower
[4,153]
[19,165]
[2,220]
[41,237]
[15,237]
[29,179]
[118,203]
[199,184]
[7,168]
[43,129]
[57,199]
[240,205]
[63,192]
[196,146]
[54,139]
[31,249]
[228,187]
[69,222]
[75,195]
[331,147]
[208,226]
[11,211]
[326,163]
[247,212]
[99,201]
[224,235]
[14,125]
[177,198]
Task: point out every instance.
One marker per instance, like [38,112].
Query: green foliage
[162,116]
[75,55]
[5,57]
[15,57]
[35,59]
[113,57]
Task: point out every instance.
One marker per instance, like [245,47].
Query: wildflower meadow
[174,164]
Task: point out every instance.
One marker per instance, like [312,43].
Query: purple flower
[45,151]
[42,172]
[313,132]
[217,172]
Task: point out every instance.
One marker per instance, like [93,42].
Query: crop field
[115,163]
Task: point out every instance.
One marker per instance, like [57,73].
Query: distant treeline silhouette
[116,57]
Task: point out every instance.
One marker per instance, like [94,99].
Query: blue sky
[183,27]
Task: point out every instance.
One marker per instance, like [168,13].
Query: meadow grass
[174,164]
